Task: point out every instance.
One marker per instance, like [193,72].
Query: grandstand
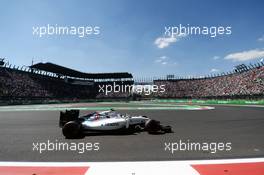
[243,82]
[46,82]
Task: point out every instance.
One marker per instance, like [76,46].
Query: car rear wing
[68,115]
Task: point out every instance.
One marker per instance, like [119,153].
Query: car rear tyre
[71,130]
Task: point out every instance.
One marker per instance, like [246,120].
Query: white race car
[75,126]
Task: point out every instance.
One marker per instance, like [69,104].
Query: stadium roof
[57,69]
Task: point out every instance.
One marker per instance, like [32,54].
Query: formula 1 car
[75,126]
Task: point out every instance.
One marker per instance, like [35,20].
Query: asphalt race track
[243,127]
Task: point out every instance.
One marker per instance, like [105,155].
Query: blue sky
[128,31]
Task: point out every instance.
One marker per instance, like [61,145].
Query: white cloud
[161,59]
[163,42]
[164,60]
[214,70]
[246,55]
[261,39]
[216,57]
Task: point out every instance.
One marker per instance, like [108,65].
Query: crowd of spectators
[238,84]
[16,84]
[20,84]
